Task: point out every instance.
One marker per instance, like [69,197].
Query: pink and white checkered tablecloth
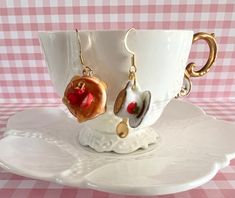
[24,79]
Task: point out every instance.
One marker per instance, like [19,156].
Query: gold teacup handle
[210,39]
[190,69]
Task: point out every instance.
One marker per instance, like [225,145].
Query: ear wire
[133,68]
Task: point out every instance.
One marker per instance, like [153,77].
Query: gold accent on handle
[210,39]
[190,69]
[186,87]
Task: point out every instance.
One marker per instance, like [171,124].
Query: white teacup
[161,57]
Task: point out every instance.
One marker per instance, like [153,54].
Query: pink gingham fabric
[23,72]
[25,83]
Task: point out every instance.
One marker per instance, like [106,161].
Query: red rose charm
[132,108]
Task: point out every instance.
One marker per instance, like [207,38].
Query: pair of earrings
[85,96]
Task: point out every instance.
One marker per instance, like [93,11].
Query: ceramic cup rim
[122,30]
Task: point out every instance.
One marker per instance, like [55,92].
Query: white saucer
[42,143]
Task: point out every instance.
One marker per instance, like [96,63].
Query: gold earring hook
[87,71]
[127,48]
[125,41]
[80,47]
[133,69]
